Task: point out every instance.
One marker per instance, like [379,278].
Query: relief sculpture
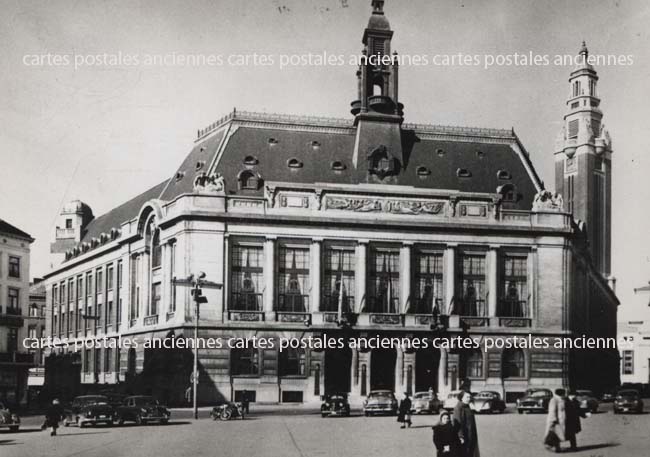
[366,205]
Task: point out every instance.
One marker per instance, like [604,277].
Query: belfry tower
[583,162]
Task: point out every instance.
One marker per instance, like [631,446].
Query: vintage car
[607,397]
[380,402]
[628,401]
[488,401]
[425,402]
[588,401]
[335,405]
[452,399]
[142,409]
[89,410]
[534,400]
[8,419]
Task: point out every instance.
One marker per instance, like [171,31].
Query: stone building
[364,227]
[14,296]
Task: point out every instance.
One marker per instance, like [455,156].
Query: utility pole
[198,282]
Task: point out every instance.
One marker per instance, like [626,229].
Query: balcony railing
[290,316]
[330,303]
[14,311]
[295,303]
[378,305]
[151,320]
[245,316]
[513,308]
[386,319]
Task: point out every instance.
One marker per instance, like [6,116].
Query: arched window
[514,364]
[156,250]
[474,364]
[249,180]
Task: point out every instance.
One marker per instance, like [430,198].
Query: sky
[104,131]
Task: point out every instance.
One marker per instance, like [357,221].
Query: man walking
[404,415]
[573,415]
[556,421]
[53,416]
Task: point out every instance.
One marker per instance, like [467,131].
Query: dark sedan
[488,401]
[335,405]
[628,401]
[89,410]
[380,402]
[588,401]
[534,400]
[142,409]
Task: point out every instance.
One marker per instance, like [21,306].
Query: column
[405,277]
[450,277]
[269,278]
[443,387]
[354,373]
[399,373]
[315,275]
[360,277]
[225,290]
[493,285]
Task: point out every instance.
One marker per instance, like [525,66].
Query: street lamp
[198,282]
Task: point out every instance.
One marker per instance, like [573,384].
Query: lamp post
[198,282]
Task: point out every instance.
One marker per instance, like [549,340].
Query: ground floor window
[244,362]
[514,364]
[292,362]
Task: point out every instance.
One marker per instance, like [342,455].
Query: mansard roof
[313,150]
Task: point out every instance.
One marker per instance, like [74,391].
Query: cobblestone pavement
[303,433]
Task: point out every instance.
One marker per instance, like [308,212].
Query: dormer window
[250,160]
[463,173]
[440,152]
[422,171]
[504,174]
[480,154]
[179,176]
[294,163]
[509,196]
[249,180]
[199,165]
[337,165]
[315,145]
[272,141]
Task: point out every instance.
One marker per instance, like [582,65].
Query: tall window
[154,274]
[136,264]
[474,364]
[156,250]
[428,282]
[514,363]
[293,279]
[12,339]
[14,266]
[13,301]
[172,274]
[244,362]
[156,290]
[98,361]
[514,286]
[470,288]
[109,277]
[292,362]
[383,281]
[108,358]
[247,278]
[99,281]
[338,280]
[627,367]
[88,365]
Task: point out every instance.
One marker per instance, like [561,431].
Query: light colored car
[425,402]
[451,400]
[587,400]
[8,419]
[380,402]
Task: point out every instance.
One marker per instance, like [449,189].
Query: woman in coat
[466,424]
[556,421]
[53,416]
[445,437]
[404,412]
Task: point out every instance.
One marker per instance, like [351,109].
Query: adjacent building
[367,226]
[635,351]
[14,299]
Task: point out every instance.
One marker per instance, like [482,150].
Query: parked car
[628,401]
[588,401]
[8,419]
[488,401]
[607,397]
[89,410]
[335,404]
[142,409]
[534,400]
[380,402]
[452,399]
[425,402]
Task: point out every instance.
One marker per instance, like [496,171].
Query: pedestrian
[573,415]
[465,422]
[404,413]
[245,402]
[53,416]
[188,395]
[556,421]
[445,437]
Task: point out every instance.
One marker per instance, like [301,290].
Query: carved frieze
[381,205]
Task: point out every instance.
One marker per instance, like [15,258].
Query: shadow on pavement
[591,447]
[27,430]
[168,424]
[74,434]
[7,443]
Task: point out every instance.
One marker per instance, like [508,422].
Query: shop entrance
[338,363]
[382,369]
